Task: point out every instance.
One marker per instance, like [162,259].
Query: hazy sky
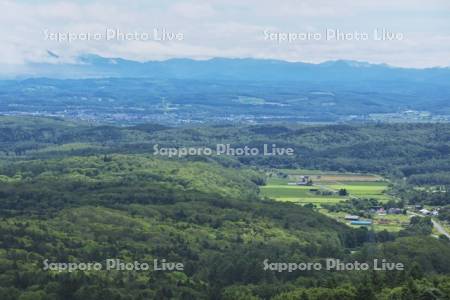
[419,31]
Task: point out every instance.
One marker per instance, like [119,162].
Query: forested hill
[138,207]
[415,151]
[73,192]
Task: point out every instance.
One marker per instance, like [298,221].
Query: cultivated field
[325,187]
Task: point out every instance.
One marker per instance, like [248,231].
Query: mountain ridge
[251,69]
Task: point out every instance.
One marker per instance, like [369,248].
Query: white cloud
[228,29]
[194,10]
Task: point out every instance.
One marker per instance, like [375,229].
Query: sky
[406,33]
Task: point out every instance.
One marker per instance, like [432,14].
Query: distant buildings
[351,218]
[381,211]
[362,222]
[395,211]
[425,211]
[304,180]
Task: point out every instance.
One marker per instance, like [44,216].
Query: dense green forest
[418,152]
[74,192]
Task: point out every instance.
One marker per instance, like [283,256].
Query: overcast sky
[419,31]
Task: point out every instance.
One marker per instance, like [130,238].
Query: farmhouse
[395,211]
[376,209]
[425,211]
[304,180]
[381,212]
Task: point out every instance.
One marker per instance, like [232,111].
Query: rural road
[436,225]
[440,229]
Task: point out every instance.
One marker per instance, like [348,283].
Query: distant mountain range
[179,91]
[88,66]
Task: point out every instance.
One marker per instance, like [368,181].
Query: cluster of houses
[379,210]
[426,212]
[355,220]
[391,211]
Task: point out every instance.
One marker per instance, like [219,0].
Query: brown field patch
[341,178]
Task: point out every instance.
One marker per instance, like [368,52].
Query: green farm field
[297,194]
[283,188]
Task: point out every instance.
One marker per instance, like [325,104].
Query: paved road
[436,225]
[440,229]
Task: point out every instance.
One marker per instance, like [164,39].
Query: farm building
[351,217]
[304,180]
[395,211]
[425,211]
[381,212]
[362,222]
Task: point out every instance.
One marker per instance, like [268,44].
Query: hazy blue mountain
[236,69]
[179,91]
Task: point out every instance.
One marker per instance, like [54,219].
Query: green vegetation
[79,193]
[326,188]
[333,197]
